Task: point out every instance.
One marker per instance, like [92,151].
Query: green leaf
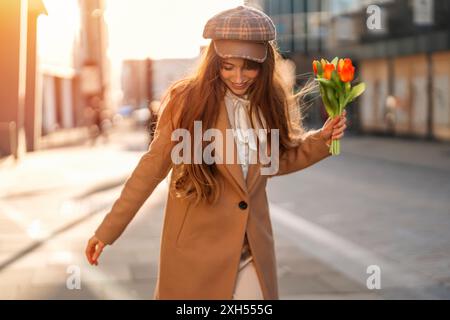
[331,95]
[325,100]
[341,102]
[336,80]
[327,83]
[347,87]
[335,61]
[319,68]
[356,92]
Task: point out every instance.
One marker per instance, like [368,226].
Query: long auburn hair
[199,96]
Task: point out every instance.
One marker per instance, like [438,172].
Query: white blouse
[238,109]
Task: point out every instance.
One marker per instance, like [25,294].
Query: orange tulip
[328,70]
[346,70]
[315,66]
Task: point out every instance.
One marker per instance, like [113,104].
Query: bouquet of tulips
[336,90]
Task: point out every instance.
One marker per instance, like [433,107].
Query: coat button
[243,205]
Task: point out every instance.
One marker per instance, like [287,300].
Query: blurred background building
[401,49]
[53,91]
[64,83]
[66,71]
[146,80]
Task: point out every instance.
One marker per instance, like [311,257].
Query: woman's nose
[239,77]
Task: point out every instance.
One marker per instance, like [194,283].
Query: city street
[383,202]
[84,83]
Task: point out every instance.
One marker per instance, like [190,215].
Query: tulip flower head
[335,87]
[315,66]
[346,70]
[328,71]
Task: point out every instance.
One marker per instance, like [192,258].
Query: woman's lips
[236,86]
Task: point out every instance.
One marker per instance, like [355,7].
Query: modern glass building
[401,49]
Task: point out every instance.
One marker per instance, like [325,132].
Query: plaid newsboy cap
[240,23]
[241,32]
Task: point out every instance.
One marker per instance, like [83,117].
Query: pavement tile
[299,284]
[144,271]
[55,292]
[341,284]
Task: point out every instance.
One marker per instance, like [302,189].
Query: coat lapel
[254,171]
[233,169]
[252,175]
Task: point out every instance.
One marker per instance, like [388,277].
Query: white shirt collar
[238,113]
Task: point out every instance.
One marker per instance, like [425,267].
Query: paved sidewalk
[434,155]
[48,191]
[52,201]
[128,269]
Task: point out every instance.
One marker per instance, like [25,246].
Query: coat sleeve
[311,149]
[151,169]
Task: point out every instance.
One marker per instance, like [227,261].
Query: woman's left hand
[333,128]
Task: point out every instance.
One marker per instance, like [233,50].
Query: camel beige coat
[201,246]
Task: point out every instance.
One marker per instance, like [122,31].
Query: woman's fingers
[90,249]
[335,126]
[332,122]
[98,250]
[328,122]
[339,126]
[93,250]
[341,123]
[339,133]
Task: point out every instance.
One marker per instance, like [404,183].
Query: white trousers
[247,285]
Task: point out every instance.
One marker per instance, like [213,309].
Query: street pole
[430,89]
[319,47]
[305,10]
[292,27]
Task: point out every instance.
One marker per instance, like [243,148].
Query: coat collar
[234,170]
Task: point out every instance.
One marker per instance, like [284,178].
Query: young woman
[217,240]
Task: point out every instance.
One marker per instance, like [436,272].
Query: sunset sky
[137,28]
[160,29]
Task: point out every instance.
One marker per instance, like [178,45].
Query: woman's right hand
[94,249]
[333,128]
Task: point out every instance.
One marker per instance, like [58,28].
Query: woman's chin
[239,92]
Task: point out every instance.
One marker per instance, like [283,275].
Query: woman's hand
[333,128]
[94,250]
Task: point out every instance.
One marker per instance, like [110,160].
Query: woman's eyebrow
[229,63]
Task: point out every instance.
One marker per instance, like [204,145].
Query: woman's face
[237,77]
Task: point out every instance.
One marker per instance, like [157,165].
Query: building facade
[55,63]
[400,47]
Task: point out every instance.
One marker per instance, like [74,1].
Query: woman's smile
[239,86]
[237,76]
